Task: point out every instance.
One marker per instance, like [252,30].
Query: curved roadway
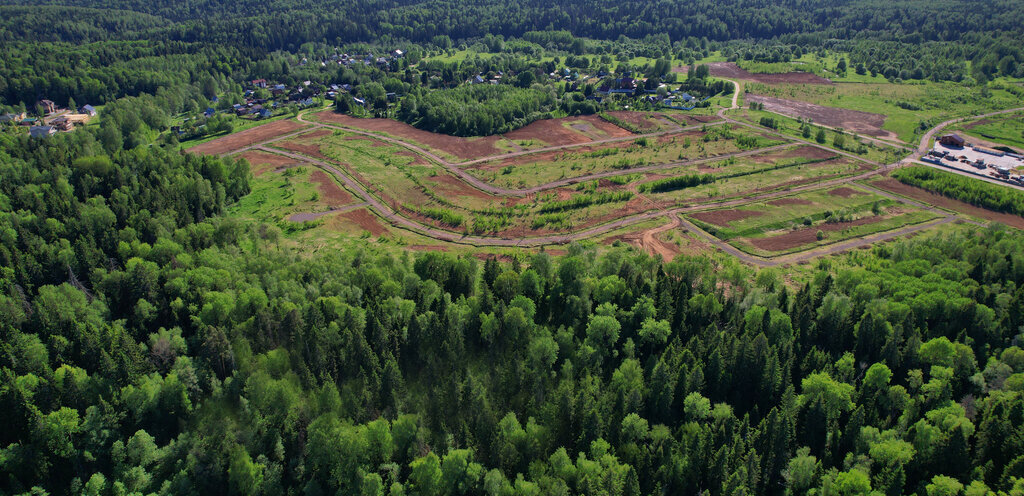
[387,212]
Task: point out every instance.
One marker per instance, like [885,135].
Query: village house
[61,124]
[41,131]
[952,140]
[87,110]
[259,83]
[48,106]
[13,117]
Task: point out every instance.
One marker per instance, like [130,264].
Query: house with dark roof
[48,106]
[952,140]
[42,131]
[13,117]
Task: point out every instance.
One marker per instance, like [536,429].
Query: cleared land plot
[568,131]
[894,186]
[858,145]
[261,162]
[732,71]
[774,170]
[808,219]
[851,120]
[1006,130]
[646,122]
[535,169]
[908,107]
[248,137]
[548,132]
[281,194]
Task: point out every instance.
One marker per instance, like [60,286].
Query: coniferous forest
[153,343]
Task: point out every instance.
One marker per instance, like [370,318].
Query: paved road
[397,219]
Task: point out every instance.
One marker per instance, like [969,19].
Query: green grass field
[872,150]
[910,108]
[1007,129]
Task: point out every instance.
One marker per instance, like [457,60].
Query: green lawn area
[277,195]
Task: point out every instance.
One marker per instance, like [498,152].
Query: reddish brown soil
[303,148]
[330,193]
[262,162]
[724,217]
[854,121]
[648,242]
[466,148]
[447,185]
[789,201]
[806,235]
[941,201]
[552,132]
[845,192]
[362,218]
[315,134]
[248,137]
[733,71]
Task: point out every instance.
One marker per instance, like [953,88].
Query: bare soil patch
[262,162]
[248,137]
[845,192]
[315,134]
[330,193]
[303,148]
[360,217]
[899,188]
[866,123]
[554,133]
[807,235]
[645,121]
[789,201]
[448,185]
[722,218]
[465,148]
[733,71]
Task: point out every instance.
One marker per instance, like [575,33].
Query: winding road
[397,219]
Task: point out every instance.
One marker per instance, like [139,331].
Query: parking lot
[966,159]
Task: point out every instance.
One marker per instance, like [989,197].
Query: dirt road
[648,238]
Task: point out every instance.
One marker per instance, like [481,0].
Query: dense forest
[152,345]
[476,110]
